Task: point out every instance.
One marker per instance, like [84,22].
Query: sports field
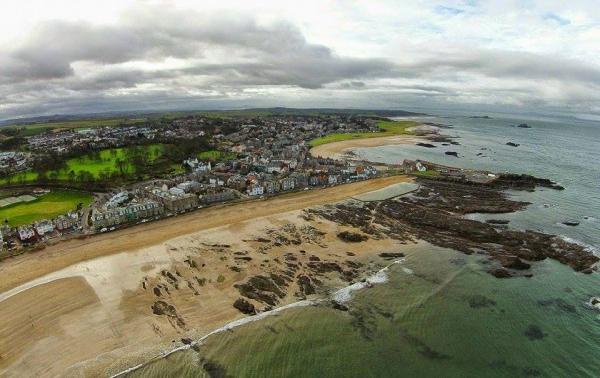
[46,206]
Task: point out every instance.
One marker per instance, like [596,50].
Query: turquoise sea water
[440,314]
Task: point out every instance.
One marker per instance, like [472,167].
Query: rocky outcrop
[166,309]
[352,237]
[391,255]
[523,182]
[244,306]
[434,213]
[261,289]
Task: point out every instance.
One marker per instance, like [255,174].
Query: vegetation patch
[98,166]
[386,128]
[46,206]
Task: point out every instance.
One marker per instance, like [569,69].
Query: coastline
[136,292]
[23,268]
[339,150]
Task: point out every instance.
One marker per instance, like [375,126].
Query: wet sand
[338,150]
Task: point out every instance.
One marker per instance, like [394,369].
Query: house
[117,200]
[237,182]
[288,183]
[271,186]
[44,227]
[129,213]
[215,197]
[189,186]
[255,189]
[25,233]
[174,202]
[64,222]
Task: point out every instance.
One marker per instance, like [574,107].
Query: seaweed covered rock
[352,237]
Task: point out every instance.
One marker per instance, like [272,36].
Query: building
[44,227]
[126,214]
[117,200]
[174,202]
[208,198]
[26,233]
[255,189]
[65,222]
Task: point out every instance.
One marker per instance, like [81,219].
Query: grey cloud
[281,53]
[228,53]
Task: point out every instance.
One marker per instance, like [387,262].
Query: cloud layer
[165,57]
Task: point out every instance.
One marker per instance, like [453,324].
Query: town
[220,160]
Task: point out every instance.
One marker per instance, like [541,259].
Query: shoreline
[339,150]
[341,295]
[63,254]
[160,286]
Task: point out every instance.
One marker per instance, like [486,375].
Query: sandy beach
[339,150]
[24,268]
[96,306]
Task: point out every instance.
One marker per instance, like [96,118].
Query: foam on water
[587,247]
[345,294]
[226,327]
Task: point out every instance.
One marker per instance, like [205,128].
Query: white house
[255,189]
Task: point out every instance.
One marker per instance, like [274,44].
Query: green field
[216,156]
[386,128]
[47,206]
[105,163]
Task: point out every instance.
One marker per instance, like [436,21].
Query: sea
[436,313]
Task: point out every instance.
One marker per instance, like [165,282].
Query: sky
[71,57]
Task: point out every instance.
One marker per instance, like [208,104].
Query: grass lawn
[216,156]
[47,206]
[386,128]
[106,163]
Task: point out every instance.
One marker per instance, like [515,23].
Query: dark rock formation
[352,237]
[262,289]
[164,308]
[339,306]
[571,223]
[391,255]
[500,273]
[434,213]
[512,262]
[452,153]
[244,306]
[497,221]
[534,332]
[305,284]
